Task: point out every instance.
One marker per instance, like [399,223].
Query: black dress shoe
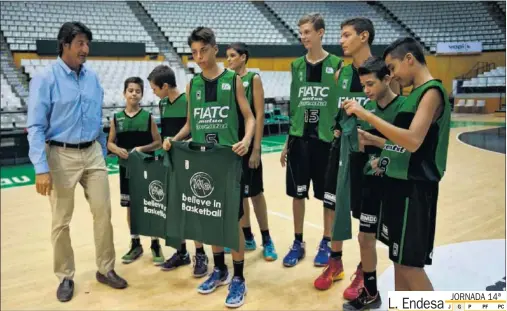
[112,279]
[65,290]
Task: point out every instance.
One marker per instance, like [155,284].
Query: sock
[247,231]
[155,243]
[219,259]
[336,255]
[136,241]
[265,237]
[183,249]
[134,236]
[327,239]
[370,282]
[299,237]
[200,250]
[238,268]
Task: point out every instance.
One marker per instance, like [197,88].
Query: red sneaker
[332,272]
[353,291]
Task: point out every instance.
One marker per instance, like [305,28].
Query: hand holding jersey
[218,113]
[420,131]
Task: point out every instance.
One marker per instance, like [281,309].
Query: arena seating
[178,19]
[13,112]
[8,99]
[25,22]
[334,14]
[501,4]
[490,81]
[449,22]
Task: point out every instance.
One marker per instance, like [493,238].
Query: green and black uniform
[312,119]
[173,115]
[410,212]
[215,116]
[131,132]
[252,178]
[148,196]
[348,87]
[206,198]
[373,191]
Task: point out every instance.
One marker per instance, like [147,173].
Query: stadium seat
[250,25]
[446,21]
[334,14]
[108,21]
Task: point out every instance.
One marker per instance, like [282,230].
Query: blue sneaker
[322,257]
[237,293]
[250,245]
[296,253]
[269,251]
[214,281]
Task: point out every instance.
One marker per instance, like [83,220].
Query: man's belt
[73,146]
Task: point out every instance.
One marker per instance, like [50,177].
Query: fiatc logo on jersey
[360,99]
[202,186]
[315,96]
[155,206]
[211,118]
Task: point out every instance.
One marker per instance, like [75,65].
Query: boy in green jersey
[312,112]
[384,103]
[172,104]
[218,113]
[134,128]
[237,58]
[413,160]
[173,116]
[357,35]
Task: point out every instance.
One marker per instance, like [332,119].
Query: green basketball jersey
[247,81]
[313,96]
[388,114]
[204,199]
[344,87]
[428,163]
[148,196]
[133,131]
[349,145]
[214,115]
[173,115]
[350,158]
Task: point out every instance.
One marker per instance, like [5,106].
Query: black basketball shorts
[252,178]
[409,213]
[124,188]
[371,204]
[306,161]
[331,175]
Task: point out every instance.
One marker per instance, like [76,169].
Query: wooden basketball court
[471,207]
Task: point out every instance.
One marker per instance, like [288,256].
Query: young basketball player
[134,128]
[385,104]
[312,111]
[357,35]
[237,58]
[414,161]
[173,116]
[222,92]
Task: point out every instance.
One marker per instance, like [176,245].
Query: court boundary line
[481,149]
